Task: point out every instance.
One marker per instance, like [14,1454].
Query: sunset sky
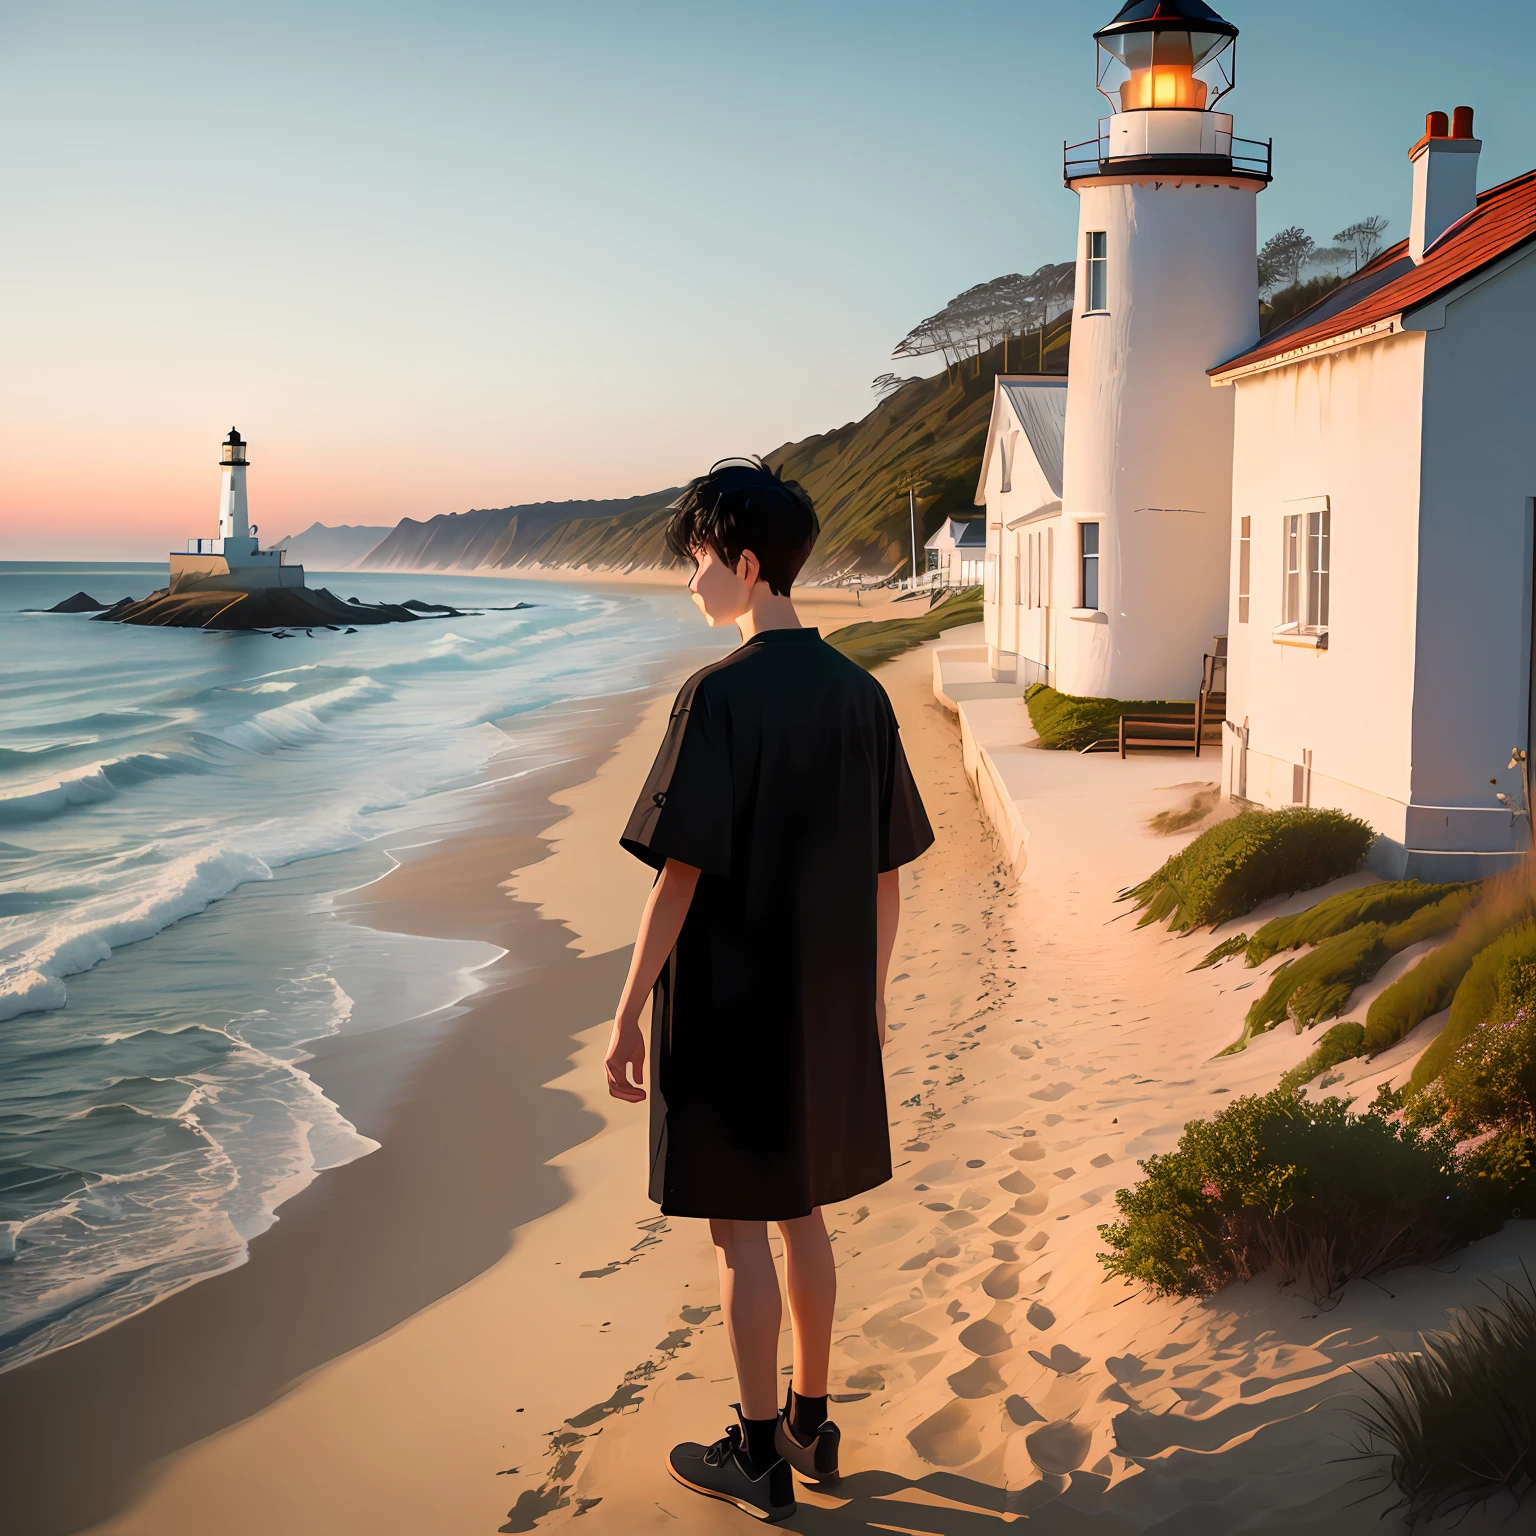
[431,257]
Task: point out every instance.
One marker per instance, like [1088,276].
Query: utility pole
[912,487]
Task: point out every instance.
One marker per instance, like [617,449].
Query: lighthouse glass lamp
[234,448]
[1163,66]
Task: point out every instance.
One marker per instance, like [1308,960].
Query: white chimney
[1444,178]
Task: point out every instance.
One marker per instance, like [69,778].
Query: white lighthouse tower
[235,560]
[1167,287]
[234,519]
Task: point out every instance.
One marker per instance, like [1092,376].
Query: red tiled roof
[1504,218]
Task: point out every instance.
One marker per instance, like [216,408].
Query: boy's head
[741,525]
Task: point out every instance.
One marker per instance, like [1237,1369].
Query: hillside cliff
[324,548]
[931,429]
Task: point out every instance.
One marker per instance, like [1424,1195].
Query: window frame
[1084,556]
[1244,568]
[1096,272]
[1306,559]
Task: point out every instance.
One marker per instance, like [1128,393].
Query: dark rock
[273,608]
[81,602]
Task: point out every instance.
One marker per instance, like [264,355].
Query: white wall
[1474,582]
[1345,426]
[1012,631]
[1146,430]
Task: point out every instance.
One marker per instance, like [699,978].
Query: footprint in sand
[867,1380]
[978,1379]
[1002,1283]
[1040,1317]
[1064,1361]
[1130,1370]
[890,1328]
[1059,1447]
[1053,1092]
[947,1438]
[1020,1412]
[1006,1225]
[1037,1242]
[1103,1160]
[1018,1183]
[986,1336]
[1028,1152]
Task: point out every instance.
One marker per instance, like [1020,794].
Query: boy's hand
[626,1057]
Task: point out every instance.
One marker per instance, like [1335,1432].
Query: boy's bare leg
[749,1298]
[812,1282]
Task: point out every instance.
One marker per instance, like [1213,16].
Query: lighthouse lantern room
[1167,287]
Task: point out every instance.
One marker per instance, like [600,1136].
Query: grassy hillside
[931,429]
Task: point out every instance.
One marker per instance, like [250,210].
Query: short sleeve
[904,829]
[686,810]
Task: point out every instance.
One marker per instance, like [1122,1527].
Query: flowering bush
[1489,1082]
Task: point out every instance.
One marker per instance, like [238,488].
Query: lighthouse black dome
[1158,15]
[234,438]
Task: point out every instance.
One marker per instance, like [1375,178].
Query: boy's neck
[767,611]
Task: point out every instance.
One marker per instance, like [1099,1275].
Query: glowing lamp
[234,448]
[1166,54]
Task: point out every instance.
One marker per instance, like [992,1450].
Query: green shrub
[1497,972]
[879,640]
[1341,1043]
[1306,1191]
[1388,901]
[1232,867]
[1455,1422]
[1065,722]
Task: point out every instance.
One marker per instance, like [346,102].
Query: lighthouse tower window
[1098,270]
[1088,552]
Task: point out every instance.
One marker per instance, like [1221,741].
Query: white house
[1380,638]
[957,552]
[1020,487]
[234,560]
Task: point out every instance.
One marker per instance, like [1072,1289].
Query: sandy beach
[486,1326]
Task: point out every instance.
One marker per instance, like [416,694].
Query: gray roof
[1042,412]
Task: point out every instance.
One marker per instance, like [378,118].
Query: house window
[1244,567]
[1098,270]
[1307,557]
[933,559]
[1088,553]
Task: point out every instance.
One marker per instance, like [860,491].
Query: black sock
[759,1433]
[806,1416]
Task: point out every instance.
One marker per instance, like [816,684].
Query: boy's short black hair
[742,504]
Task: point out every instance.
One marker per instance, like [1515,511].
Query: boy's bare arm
[659,927]
[887,920]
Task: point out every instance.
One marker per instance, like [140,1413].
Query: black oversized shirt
[782,779]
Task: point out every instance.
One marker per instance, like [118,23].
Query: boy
[778,812]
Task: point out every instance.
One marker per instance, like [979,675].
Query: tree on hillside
[989,313]
[889,383]
[1364,239]
[1282,257]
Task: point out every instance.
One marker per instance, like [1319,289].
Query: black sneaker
[722,1471]
[817,1458]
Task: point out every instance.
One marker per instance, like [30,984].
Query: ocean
[179,812]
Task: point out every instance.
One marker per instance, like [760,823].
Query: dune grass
[1455,1422]
[1067,723]
[880,640]
[1340,1044]
[1498,982]
[1320,984]
[1234,866]
[1386,901]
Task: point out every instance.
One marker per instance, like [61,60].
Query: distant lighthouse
[234,519]
[235,559]
[1167,287]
